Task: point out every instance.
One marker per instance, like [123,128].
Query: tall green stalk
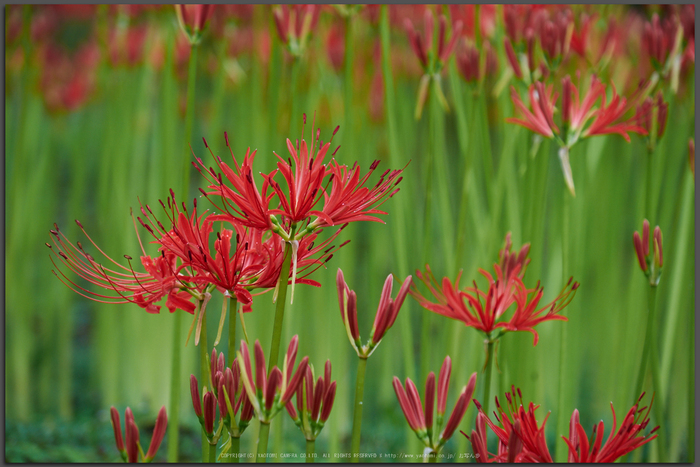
[232,328]
[655,367]
[212,454]
[263,436]
[564,386]
[176,373]
[204,375]
[310,451]
[234,450]
[279,310]
[400,228]
[357,412]
[487,375]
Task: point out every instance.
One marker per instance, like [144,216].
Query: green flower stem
[659,401]
[204,377]
[648,209]
[189,118]
[234,450]
[347,85]
[564,386]
[432,457]
[212,454]
[176,362]
[399,228]
[232,329]
[357,413]
[691,386]
[263,436]
[279,312]
[310,450]
[642,372]
[487,375]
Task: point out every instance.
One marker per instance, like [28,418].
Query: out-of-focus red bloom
[314,402]
[431,60]
[68,80]
[270,393]
[466,14]
[294,25]
[421,420]
[193,20]
[131,451]
[126,46]
[555,36]
[608,119]
[386,315]
[335,47]
[468,61]
[482,310]
[627,438]
[580,36]
[653,112]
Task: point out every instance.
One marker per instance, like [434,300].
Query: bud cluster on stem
[650,262]
[130,450]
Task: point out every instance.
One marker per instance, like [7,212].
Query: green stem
[232,329]
[487,375]
[204,376]
[357,413]
[176,376]
[234,450]
[263,436]
[648,207]
[279,312]
[399,227]
[642,372]
[432,457]
[212,454]
[561,451]
[295,116]
[189,118]
[655,367]
[348,69]
[691,387]
[310,450]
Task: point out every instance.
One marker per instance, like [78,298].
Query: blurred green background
[95,117]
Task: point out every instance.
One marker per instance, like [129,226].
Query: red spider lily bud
[429,400]
[512,59]
[247,410]
[691,156]
[566,100]
[291,355]
[655,42]
[328,400]
[272,384]
[406,406]
[640,251]
[460,409]
[388,309]
[348,311]
[530,39]
[442,26]
[158,434]
[443,385]
[292,411]
[429,24]
[645,237]
[414,400]
[260,372]
[193,19]
[318,398]
[194,390]
[116,426]
[295,381]
[209,412]
[132,440]
[221,399]
[658,248]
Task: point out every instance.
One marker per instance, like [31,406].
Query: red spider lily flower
[482,310]
[270,393]
[294,24]
[314,402]
[628,438]
[658,39]
[650,264]
[130,452]
[513,59]
[421,419]
[508,260]
[244,202]
[608,119]
[142,288]
[193,19]
[543,101]
[579,36]
[386,315]
[555,36]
